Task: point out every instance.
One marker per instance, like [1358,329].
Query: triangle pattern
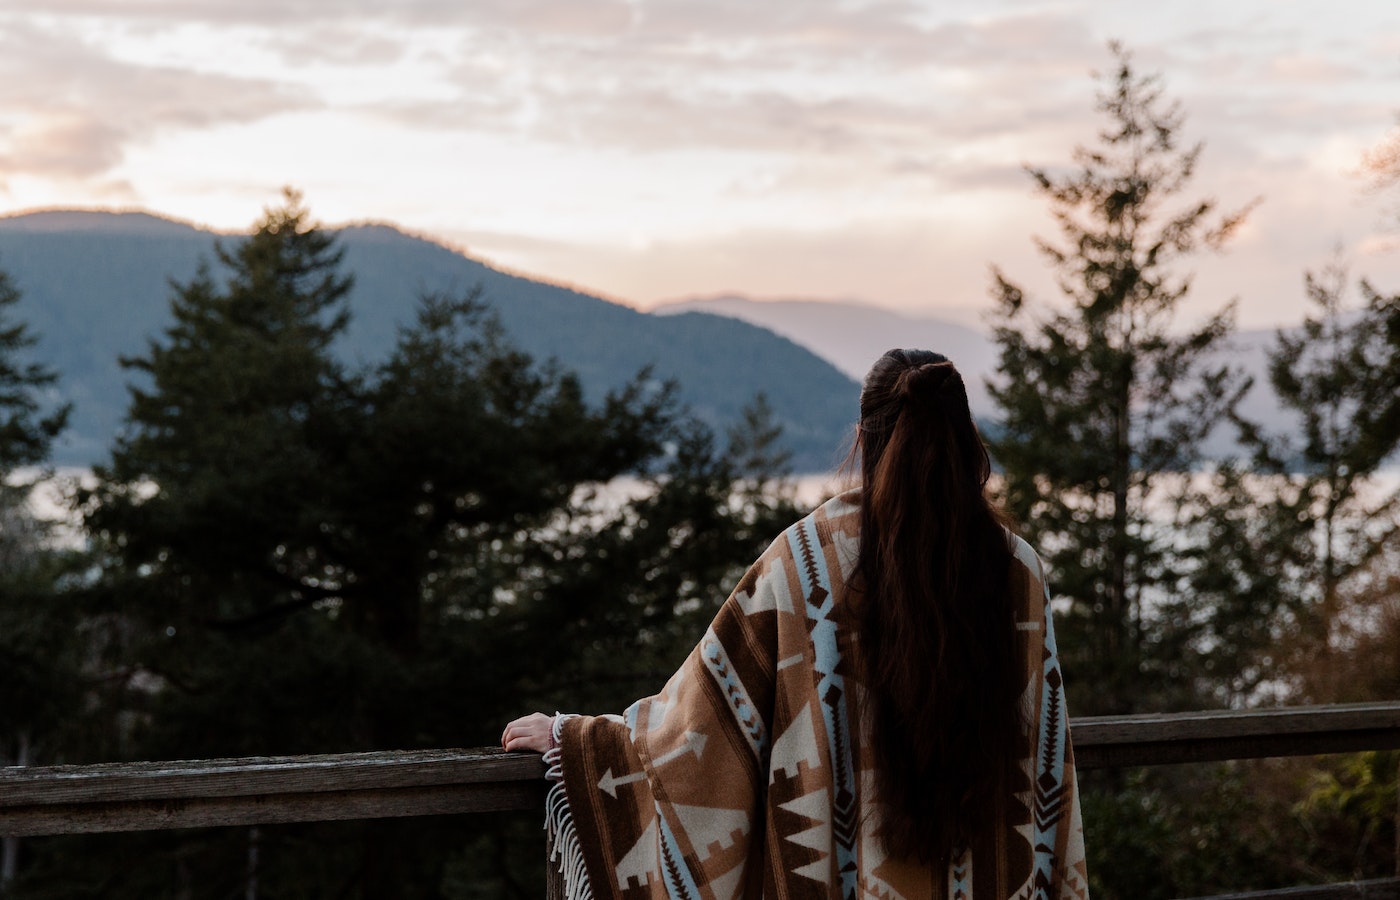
[782,595]
[817,871]
[726,886]
[642,862]
[658,709]
[872,849]
[798,743]
[818,837]
[715,824]
[847,550]
[815,807]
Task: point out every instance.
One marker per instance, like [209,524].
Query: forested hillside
[96,287]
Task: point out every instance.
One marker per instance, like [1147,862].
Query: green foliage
[314,558]
[40,652]
[1126,822]
[27,430]
[1191,584]
[1341,375]
[1101,399]
[42,648]
[1359,790]
[637,590]
[1232,604]
[1237,826]
[43,651]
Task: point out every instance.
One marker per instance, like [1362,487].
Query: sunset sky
[649,150]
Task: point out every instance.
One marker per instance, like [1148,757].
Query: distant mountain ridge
[97,220]
[96,286]
[853,335]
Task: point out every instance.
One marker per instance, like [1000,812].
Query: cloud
[339,44]
[1313,70]
[577,17]
[836,105]
[905,264]
[64,146]
[787,78]
[255,12]
[74,110]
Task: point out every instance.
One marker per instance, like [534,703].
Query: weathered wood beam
[264,790]
[1193,737]
[1378,889]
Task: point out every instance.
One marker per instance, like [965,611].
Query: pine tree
[1340,375]
[40,656]
[29,419]
[1104,406]
[315,558]
[220,418]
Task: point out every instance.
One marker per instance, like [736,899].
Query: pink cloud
[1312,69]
[81,109]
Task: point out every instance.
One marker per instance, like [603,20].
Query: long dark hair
[934,609]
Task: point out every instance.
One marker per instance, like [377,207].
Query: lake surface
[49,499]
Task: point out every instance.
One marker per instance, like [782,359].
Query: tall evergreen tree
[40,657]
[30,420]
[1340,375]
[1103,404]
[322,559]
[29,423]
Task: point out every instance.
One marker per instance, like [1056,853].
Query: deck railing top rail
[1192,737]
[263,790]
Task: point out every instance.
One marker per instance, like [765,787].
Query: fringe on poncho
[744,777]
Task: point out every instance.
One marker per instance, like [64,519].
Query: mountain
[68,220]
[97,286]
[851,336]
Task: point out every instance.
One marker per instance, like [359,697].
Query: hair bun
[926,381]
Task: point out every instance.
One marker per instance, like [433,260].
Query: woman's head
[916,400]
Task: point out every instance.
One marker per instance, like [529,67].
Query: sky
[653,150]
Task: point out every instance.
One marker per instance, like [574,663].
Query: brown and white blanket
[745,778]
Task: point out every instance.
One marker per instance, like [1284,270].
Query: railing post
[9,846]
[250,891]
[553,878]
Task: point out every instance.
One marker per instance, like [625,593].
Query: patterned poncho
[745,778]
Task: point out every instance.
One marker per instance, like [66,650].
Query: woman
[876,710]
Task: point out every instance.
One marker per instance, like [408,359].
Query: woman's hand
[533,732]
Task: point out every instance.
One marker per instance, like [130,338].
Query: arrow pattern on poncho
[694,743]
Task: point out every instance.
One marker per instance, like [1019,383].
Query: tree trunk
[1122,646]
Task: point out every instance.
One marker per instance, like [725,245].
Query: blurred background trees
[1105,405]
[290,553]
[41,658]
[1187,580]
[306,557]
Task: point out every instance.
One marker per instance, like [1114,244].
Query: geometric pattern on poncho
[743,777]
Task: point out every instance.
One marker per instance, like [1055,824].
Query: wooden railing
[269,790]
